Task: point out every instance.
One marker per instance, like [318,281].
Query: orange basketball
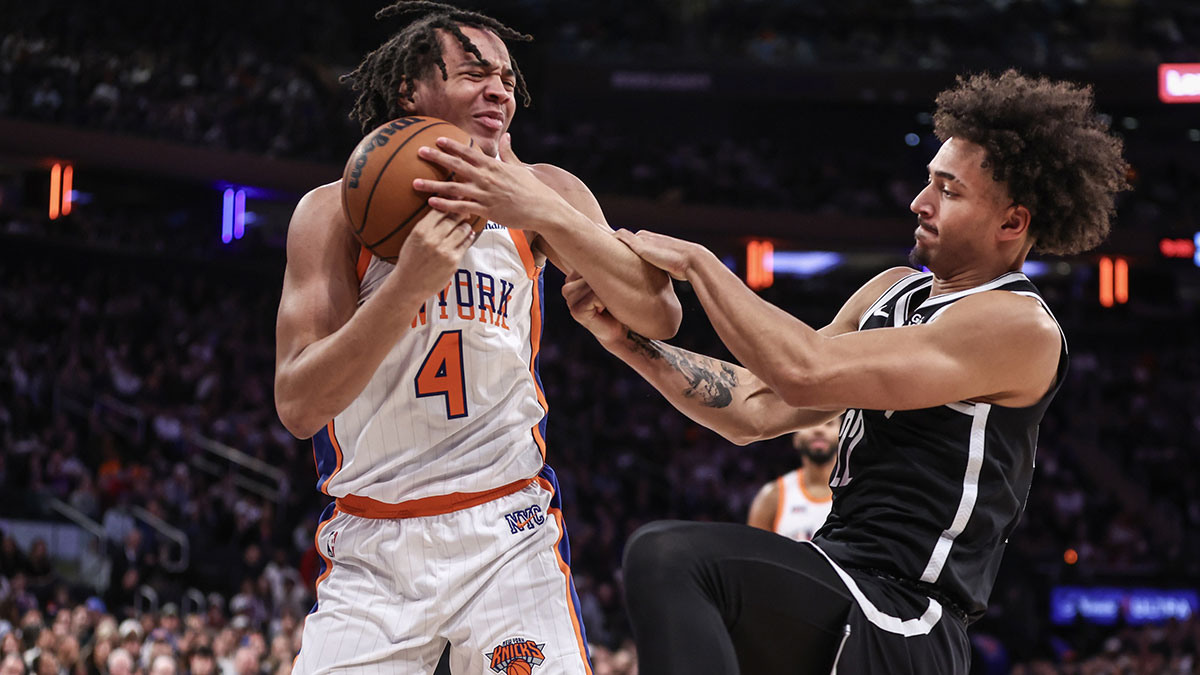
[519,667]
[377,192]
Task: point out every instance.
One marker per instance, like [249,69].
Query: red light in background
[68,176]
[55,187]
[760,267]
[1177,248]
[1121,281]
[1179,82]
[1114,281]
[1070,556]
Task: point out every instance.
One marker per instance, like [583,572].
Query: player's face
[818,443]
[958,210]
[478,98]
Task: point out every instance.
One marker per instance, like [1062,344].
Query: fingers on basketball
[377,194]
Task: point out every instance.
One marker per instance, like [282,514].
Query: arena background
[150,156]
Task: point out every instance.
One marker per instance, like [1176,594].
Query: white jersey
[454,415]
[799,515]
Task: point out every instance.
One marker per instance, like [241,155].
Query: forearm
[722,396]
[774,345]
[638,294]
[323,379]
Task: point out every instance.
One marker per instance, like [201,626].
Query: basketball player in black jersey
[944,378]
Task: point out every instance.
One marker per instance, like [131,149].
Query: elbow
[661,320]
[293,414]
[799,386]
[741,439]
[297,425]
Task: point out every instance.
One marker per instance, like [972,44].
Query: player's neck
[968,279]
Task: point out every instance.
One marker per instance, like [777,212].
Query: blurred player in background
[944,376]
[418,384]
[797,503]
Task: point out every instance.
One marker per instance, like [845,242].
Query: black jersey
[931,495]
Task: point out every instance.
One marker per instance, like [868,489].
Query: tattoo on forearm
[709,380]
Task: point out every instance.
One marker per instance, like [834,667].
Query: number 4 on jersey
[442,374]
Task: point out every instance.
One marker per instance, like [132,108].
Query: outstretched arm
[570,226]
[992,347]
[722,396]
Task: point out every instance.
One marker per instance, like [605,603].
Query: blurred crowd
[89,337]
[132,340]
[266,82]
[86,638]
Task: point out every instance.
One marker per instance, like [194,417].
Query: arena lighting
[804,263]
[68,177]
[1114,281]
[1108,605]
[760,264]
[233,215]
[1179,82]
[1176,248]
[55,189]
[1035,268]
[1196,247]
[239,214]
[61,194]
[1121,281]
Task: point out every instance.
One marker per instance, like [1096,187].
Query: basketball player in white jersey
[418,384]
[797,503]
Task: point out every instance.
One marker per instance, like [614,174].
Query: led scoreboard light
[1179,82]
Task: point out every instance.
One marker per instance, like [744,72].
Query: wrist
[555,217]
[699,262]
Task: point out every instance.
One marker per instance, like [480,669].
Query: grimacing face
[477,98]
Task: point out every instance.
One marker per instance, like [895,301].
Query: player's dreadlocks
[1044,139]
[407,55]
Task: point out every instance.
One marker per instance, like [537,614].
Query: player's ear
[1016,222]
[405,103]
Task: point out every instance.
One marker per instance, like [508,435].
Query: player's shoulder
[1008,311]
[852,311]
[320,200]
[555,176]
[319,220]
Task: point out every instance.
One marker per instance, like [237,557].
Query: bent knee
[659,550]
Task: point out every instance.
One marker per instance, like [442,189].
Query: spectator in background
[120,662]
[201,661]
[163,665]
[12,665]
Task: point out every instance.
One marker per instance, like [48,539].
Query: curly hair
[394,67]
[1045,141]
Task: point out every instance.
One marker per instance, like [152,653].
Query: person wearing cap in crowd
[169,619]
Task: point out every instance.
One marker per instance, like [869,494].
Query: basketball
[519,667]
[377,194]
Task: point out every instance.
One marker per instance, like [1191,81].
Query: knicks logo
[525,518]
[516,656]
